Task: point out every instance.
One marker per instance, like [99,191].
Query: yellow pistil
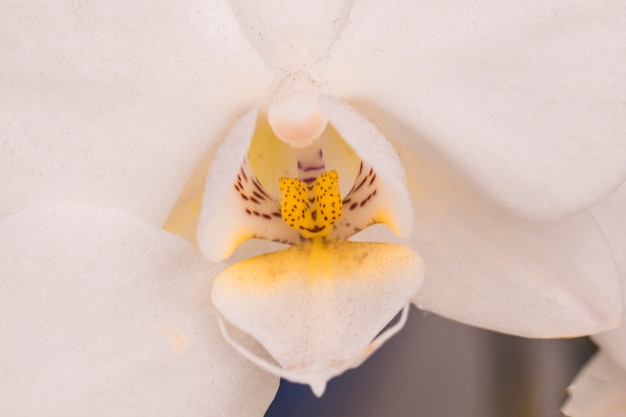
[311,209]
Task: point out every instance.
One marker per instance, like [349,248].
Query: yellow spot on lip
[311,209]
[318,262]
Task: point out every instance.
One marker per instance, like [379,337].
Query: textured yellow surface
[311,209]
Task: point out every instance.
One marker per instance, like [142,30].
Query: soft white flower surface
[496,110]
[114,103]
[600,389]
[525,98]
[105,315]
[489,267]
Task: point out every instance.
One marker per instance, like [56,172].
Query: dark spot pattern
[262,211]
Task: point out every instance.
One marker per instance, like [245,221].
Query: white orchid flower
[508,120]
[600,388]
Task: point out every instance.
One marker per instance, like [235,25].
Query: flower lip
[317,378]
[318,308]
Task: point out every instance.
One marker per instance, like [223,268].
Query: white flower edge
[487,267]
[611,214]
[104,312]
[600,389]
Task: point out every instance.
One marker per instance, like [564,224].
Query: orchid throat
[317,307]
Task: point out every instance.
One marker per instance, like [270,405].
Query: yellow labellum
[311,209]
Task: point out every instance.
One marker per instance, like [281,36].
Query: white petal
[115,103]
[288,34]
[105,315]
[526,97]
[316,308]
[372,147]
[224,222]
[598,391]
[611,213]
[490,268]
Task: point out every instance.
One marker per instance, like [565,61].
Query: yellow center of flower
[311,208]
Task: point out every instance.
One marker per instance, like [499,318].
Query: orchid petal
[527,98]
[103,314]
[611,214]
[598,391]
[290,34]
[391,204]
[489,268]
[316,307]
[230,212]
[533,279]
[219,228]
[500,272]
[115,103]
